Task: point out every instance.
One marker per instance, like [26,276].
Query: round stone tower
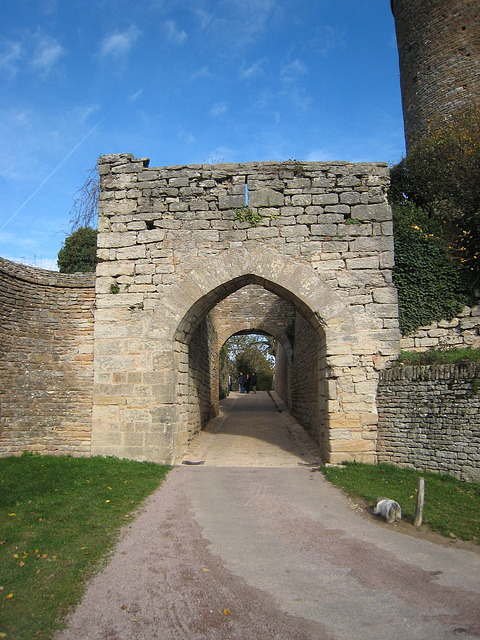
[439,55]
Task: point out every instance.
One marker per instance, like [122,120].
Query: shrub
[441,175]
[79,252]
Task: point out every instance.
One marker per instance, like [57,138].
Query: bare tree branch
[84,211]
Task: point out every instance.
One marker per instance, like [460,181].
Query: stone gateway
[190,255]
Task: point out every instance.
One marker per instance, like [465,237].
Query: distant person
[253,382]
[247,383]
[230,383]
[241,382]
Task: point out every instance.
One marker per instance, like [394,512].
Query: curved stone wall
[46,360]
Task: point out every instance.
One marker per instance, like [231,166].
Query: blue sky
[181,82]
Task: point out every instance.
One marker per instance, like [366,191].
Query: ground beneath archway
[253,430]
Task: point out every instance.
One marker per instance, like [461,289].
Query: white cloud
[173,33]
[49,6]
[134,97]
[47,53]
[204,18]
[252,16]
[204,72]
[37,52]
[327,39]
[236,24]
[319,155]
[253,71]
[187,137]
[218,109]
[294,69]
[119,44]
[83,113]
[10,58]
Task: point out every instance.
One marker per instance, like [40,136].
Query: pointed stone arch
[202,288]
[178,315]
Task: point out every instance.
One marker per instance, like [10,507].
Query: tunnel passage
[300,371]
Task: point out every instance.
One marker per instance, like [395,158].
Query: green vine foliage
[441,174]
[430,285]
[247,215]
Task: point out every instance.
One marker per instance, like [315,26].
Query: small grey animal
[388,509]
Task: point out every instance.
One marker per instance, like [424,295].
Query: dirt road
[243,552]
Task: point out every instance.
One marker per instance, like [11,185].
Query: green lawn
[452,508]
[439,356]
[58,518]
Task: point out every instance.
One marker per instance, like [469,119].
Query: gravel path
[243,552]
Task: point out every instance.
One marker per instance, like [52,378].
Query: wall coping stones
[431,372]
[47,278]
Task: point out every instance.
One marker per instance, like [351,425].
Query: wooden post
[420,502]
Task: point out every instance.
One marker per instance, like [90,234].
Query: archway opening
[247,362]
[247,307]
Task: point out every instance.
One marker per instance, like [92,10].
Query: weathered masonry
[46,360]
[430,418]
[439,56]
[179,247]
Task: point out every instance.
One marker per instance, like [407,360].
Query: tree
[79,252]
[248,354]
[84,211]
[441,175]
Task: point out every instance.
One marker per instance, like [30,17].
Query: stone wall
[308,395]
[282,374]
[439,53]
[46,360]
[429,418]
[457,333]
[203,377]
[253,309]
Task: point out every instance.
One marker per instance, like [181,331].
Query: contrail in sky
[51,174]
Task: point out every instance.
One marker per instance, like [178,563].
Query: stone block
[231,202]
[385,295]
[262,232]
[265,198]
[131,253]
[291,211]
[372,212]
[181,181]
[387,260]
[300,230]
[341,209]
[326,230]
[350,197]
[362,263]
[325,198]
[302,200]
[151,235]
[375,244]
[114,240]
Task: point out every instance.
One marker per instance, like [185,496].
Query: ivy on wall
[435,196]
[430,285]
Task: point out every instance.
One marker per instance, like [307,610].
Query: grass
[59,517]
[439,356]
[452,507]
